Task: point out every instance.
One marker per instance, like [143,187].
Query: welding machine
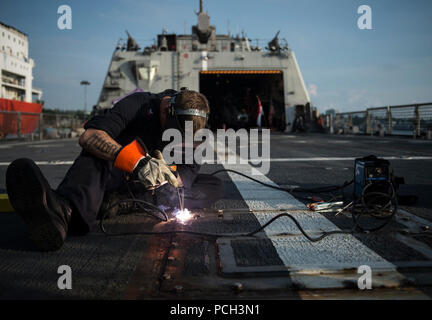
[372,174]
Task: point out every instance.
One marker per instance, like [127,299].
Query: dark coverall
[136,115]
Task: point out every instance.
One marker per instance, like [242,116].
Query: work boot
[46,214]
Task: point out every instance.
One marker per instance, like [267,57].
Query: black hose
[325,234]
[139,202]
[303,190]
[392,200]
[230,235]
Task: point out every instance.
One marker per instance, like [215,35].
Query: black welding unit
[372,175]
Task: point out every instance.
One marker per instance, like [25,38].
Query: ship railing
[403,120]
[38,126]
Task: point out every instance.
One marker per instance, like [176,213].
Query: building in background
[16,67]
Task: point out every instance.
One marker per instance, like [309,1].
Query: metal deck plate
[292,253]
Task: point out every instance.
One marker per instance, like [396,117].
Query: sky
[343,67]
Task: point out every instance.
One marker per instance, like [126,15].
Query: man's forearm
[100,144]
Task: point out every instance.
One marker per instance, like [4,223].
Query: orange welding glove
[129,156]
[152,172]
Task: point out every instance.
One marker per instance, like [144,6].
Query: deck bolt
[179,289]
[171,258]
[167,276]
[220,214]
[238,287]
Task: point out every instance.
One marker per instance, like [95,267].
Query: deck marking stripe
[297,253]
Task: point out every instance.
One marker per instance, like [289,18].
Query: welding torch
[180,198]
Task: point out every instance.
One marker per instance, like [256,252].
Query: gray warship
[227,69]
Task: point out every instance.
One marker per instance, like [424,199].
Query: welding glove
[151,171]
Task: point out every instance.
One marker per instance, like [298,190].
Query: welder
[125,141]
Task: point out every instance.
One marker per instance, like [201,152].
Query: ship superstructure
[227,69]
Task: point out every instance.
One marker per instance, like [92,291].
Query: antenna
[201,6]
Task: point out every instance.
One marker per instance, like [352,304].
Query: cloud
[312,89]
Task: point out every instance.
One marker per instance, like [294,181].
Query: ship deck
[277,263]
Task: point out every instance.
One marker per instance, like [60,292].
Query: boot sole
[27,189]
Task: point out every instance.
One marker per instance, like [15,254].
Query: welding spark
[183,215]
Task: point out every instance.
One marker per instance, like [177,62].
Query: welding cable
[368,208]
[312,239]
[302,190]
[249,234]
[216,235]
[148,204]
[230,235]
[102,218]
[140,203]
[285,214]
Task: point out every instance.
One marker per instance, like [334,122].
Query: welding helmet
[175,113]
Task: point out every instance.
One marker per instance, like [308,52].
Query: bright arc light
[183,215]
